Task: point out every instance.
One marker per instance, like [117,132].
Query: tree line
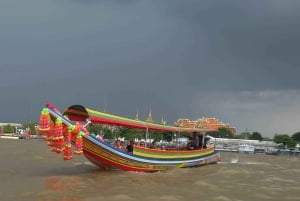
[30,127]
[131,133]
[114,132]
[284,139]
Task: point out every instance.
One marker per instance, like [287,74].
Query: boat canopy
[80,113]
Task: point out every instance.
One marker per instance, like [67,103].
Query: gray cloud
[243,41]
[268,111]
[184,58]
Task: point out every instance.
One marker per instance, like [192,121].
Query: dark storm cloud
[120,2]
[255,43]
[181,57]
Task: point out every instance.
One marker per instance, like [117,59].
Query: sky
[234,60]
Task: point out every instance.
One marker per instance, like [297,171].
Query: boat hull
[143,159]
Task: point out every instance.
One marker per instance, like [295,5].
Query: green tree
[168,136]
[284,139]
[31,126]
[296,137]
[245,135]
[256,136]
[221,133]
[107,133]
[157,135]
[127,133]
[213,133]
[267,139]
[225,133]
[8,128]
[95,128]
[185,134]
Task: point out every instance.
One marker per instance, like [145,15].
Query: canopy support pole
[147,133]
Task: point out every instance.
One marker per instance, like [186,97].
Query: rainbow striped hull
[144,159]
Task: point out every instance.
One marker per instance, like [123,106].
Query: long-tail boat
[66,133]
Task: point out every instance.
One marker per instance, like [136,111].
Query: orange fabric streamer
[58,138]
[68,149]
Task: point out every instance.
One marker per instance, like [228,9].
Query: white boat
[223,148]
[246,149]
[272,151]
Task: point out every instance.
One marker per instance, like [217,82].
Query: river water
[30,171]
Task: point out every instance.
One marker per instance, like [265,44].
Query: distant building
[149,118]
[205,123]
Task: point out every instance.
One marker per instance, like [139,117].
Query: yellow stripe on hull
[146,152]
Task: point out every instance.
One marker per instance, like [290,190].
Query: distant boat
[223,148]
[259,150]
[246,149]
[272,151]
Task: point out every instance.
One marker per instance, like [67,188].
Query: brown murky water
[29,171]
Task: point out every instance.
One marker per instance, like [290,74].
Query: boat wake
[232,161]
[256,163]
[84,163]
[236,160]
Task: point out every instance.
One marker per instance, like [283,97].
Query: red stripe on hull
[115,165]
